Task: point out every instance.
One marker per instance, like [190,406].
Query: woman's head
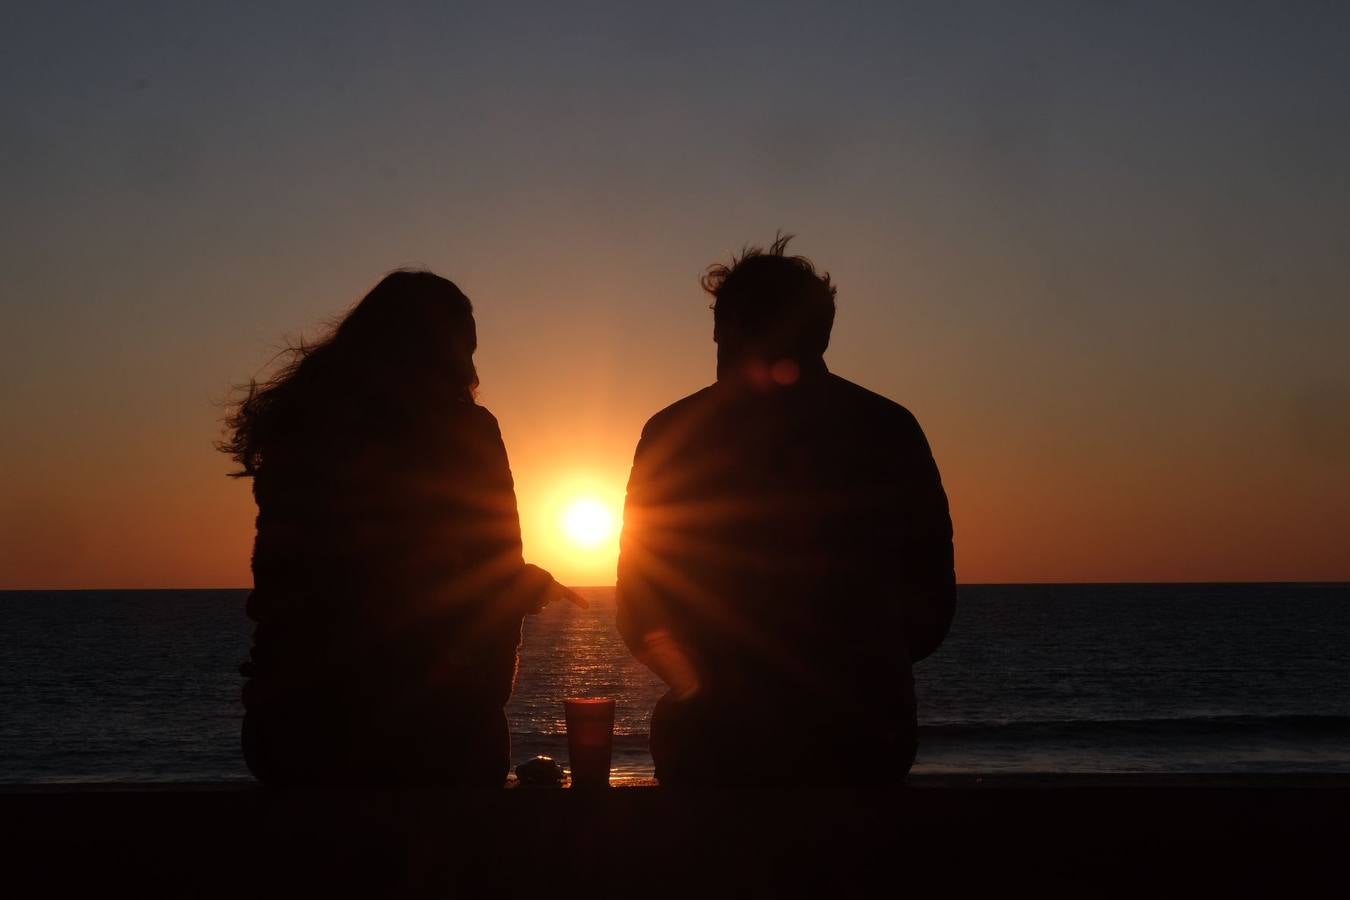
[406,348]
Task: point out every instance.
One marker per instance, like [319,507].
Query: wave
[1163,728]
[1174,728]
[629,740]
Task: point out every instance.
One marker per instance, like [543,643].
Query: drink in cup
[590,739]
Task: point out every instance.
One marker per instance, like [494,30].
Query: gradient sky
[1100,250]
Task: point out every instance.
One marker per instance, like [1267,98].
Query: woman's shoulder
[482,415]
[465,428]
[467,418]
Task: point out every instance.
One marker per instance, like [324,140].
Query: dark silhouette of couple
[786,553]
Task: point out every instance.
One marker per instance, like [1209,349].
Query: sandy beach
[1114,835]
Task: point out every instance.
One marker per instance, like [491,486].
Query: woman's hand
[543,589]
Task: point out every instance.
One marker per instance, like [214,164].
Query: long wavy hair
[405,350]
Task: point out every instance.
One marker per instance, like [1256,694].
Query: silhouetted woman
[389,586]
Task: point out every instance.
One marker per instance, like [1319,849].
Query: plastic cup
[590,739]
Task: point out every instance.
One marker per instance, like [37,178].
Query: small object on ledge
[541,771]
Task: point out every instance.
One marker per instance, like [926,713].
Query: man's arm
[643,591]
[638,594]
[925,553]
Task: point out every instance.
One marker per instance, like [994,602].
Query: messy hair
[773,300]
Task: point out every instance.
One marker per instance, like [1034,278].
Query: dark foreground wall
[1121,836]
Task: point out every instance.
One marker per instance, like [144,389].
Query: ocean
[1184,678]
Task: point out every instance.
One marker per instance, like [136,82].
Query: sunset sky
[1102,253]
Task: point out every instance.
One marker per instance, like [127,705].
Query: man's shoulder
[870,404]
[696,405]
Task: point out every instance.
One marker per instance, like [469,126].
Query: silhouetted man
[786,554]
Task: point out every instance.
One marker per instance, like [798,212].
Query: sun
[587,522]
[570,525]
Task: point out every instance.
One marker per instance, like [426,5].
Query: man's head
[769,307]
